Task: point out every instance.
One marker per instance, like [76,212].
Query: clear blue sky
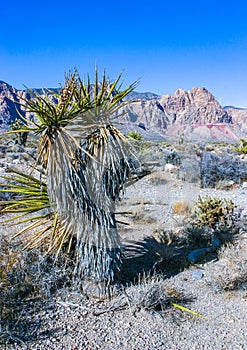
[167,44]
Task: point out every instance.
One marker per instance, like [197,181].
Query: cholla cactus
[215,213]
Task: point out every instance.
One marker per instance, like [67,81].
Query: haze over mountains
[194,114]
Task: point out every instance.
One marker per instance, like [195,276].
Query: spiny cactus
[215,213]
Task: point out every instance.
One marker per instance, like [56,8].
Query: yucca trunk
[84,183]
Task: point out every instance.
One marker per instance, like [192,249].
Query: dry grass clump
[143,218]
[233,263]
[148,294]
[25,277]
[138,200]
[158,178]
[151,294]
[168,236]
[182,207]
[225,185]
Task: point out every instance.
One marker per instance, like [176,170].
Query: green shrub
[18,128]
[242,146]
[135,135]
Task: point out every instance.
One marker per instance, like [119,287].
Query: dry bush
[143,218]
[190,169]
[233,265]
[158,178]
[147,294]
[182,207]
[25,276]
[151,294]
[218,167]
[168,236]
[225,185]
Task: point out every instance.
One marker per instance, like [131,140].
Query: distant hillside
[239,116]
[192,114]
[9,104]
[238,108]
[142,96]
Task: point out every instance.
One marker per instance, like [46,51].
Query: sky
[165,45]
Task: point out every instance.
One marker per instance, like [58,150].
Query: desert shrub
[215,213]
[212,223]
[135,135]
[242,146]
[151,294]
[232,266]
[181,207]
[27,276]
[168,236]
[189,169]
[148,294]
[21,137]
[8,259]
[143,218]
[217,167]
[171,156]
[225,185]
[157,178]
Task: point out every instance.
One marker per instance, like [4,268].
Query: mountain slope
[184,112]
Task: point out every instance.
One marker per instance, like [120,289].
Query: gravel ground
[69,320]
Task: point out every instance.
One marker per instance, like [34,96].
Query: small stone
[197,254]
[197,274]
[159,344]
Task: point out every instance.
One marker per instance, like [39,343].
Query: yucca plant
[86,161]
[29,204]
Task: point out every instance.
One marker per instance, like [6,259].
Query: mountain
[135,96]
[194,114]
[9,107]
[182,107]
[239,116]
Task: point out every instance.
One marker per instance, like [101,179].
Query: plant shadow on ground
[150,256]
[23,327]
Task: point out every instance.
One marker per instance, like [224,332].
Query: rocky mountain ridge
[195,113]
[9,107]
